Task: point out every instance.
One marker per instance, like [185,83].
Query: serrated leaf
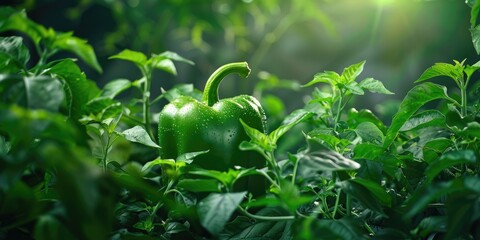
[68,42]
[115,87]
[374,86]
[216,209]
[424,119]
[132,56]
[139,135]
[416,98]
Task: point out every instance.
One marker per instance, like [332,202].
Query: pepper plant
[77,161]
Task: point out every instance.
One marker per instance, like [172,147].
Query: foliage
[77,161]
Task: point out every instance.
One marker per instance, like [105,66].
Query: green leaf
[369,132]
[424,119]
[422,197]
[149,165]
[188,157]
[354,88]
[68,42]
[244,228]
[139,135]
[115,87]
[441,69]
[450,159]
[461,208]
[258,138]
[367,151]
[326,136]
[163,63]
[374,86]
[175,57]
[224,177]
[376,190]
[128,55]
[431,225]
[25,125]
[78,89]
[363,195]
[415,99]
[345,228]
[178,91]
[319,158]
[356,117]
[43,92]
[5,146]
[434,148]
[97,105]
[47,227]
[11,19]
[13,54]
[216,209]
[289,122]
[475,33]
[474,13]
[472,183]
[351,72]
[326,77]
[199,185]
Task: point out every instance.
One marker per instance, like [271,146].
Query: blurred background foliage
[290,39]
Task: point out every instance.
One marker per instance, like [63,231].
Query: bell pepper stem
[210,93]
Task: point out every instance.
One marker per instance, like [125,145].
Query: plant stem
[276,169]
[463,90]
[337,200]
[146,100]
[339,110]
[105,153]
[349,203]
[295,168]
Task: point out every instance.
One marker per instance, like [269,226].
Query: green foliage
[79,162]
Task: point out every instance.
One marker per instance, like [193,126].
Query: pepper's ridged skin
[188,125]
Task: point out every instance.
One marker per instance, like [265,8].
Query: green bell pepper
[188,125]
